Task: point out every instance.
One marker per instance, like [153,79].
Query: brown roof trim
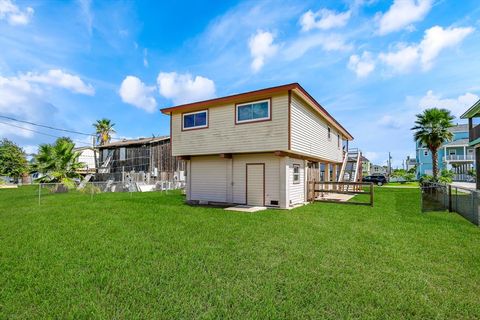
[139,141]
[231,98]
[260,93]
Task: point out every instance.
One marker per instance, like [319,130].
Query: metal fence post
[450,198]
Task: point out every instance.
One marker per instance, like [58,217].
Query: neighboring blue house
[455,155]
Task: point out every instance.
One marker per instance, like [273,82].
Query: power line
[48,127]
[53,128]
[46,134]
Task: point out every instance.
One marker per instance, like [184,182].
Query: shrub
[90,188]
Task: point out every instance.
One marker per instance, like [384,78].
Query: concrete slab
[243,208]
[335,197]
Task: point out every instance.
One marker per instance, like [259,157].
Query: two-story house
[472,114]
[366,166]
[455,155]
[255,148]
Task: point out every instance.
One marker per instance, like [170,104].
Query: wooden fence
[320,191]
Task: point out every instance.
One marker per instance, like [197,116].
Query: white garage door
[209,179]
[255,184]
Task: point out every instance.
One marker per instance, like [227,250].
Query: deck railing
[460,157]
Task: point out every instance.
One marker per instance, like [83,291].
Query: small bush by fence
[441,197]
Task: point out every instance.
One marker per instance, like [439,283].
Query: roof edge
[475,109]
[232,97]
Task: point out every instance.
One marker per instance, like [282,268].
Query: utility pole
[94,153]
[389,164]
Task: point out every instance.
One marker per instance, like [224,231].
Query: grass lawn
[151,256]
[404,184]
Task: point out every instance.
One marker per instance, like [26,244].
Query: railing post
[371,193]
[450,198]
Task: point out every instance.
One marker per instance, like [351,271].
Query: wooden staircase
[351,170]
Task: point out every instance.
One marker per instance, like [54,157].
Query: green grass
[150,256]
[403,184]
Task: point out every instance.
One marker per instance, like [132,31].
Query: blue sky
[372,64]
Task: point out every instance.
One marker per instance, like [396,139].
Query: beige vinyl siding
[208,179]
[296,190]
[309,133]
[224,136]
[272,168]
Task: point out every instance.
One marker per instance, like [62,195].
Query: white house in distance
[87,157]
[255,148]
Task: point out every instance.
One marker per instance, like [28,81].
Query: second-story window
[195,120]
[253,111]
[338,141]
[329,133]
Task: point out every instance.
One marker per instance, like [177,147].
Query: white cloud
[389,122]
[456,105]
[133,91]
[13,14]
[402,14]
[402,60]
[331,42]
[362,65]
[261,48]
[24,100]
[323,19]
[183,88]
[62,79]
[435,39]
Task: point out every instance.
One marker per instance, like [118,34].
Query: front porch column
[334,174]
[327,175]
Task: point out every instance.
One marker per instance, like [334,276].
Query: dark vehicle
[378,180]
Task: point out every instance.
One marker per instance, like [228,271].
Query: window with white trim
[296,173]
[329,131]
[253,111]
[195,120]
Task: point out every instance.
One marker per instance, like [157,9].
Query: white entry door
[255,184]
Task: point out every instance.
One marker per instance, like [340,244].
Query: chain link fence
[93,189]
[441,197]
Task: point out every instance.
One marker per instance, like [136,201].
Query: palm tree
[104,130]
[431,130]
[57,162]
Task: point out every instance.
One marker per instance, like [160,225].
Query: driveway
[465,185]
